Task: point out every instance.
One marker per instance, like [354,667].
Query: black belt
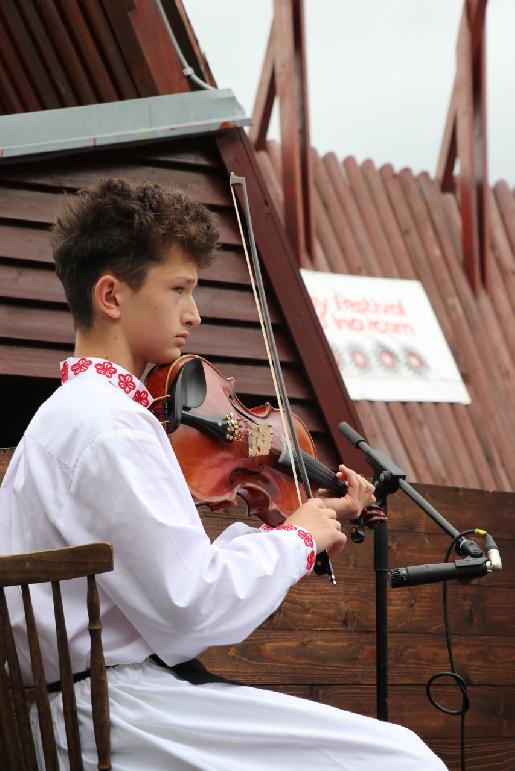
[193,671]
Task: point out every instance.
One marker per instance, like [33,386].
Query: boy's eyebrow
[187,280]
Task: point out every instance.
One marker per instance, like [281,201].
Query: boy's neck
[87,344]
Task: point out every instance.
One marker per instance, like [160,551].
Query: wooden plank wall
[320,644]
[36,327]
[380,223]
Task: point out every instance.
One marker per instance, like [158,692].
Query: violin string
[319,472]
[257,299]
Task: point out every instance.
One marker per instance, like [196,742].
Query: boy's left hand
[360,494]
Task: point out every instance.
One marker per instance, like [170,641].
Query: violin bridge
[259,440]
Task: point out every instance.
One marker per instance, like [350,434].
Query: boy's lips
[181,339]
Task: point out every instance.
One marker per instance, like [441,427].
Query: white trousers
[160,723]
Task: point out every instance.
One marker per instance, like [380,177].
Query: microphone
[493,552]
[459,570]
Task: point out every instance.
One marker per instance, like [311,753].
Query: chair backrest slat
[11,755]
[17,751]
[65,673]
[45,718]
[21,712]
[99,692]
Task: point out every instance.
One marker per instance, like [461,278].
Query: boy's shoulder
[79,411]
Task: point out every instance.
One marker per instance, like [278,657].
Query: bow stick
[323,563]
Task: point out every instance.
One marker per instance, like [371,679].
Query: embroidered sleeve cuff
[307,538]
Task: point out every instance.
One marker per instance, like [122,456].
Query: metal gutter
[112,123]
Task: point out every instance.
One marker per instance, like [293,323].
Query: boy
[95,464]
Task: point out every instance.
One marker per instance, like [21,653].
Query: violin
[226,449]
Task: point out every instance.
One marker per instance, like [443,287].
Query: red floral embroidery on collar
[81,365]
[142,397]
[126,382]
[106,368]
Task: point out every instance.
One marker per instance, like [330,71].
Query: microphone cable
[453,674]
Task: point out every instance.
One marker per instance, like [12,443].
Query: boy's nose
[192,314]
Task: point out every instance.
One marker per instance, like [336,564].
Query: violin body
[245,459]
[226,449]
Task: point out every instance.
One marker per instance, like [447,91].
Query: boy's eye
[179,289]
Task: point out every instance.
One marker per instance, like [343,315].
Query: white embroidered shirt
[96,465]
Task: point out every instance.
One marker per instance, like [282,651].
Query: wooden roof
[57,54]
[381,223]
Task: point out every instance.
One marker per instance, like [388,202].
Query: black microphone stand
[388,478]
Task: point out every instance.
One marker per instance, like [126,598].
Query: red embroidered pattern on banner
[126,383]
[106,368]
[142,398]
[81,365]
[64,372]
[304,536]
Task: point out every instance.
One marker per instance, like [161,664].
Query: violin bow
[323,563]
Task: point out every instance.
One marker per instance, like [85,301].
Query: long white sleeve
[179,591]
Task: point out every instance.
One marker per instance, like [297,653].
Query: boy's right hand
[321,522]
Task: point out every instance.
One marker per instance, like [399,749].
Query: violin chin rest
[189,390]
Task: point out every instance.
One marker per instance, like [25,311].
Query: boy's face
[156,319]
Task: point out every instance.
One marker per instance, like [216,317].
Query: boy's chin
[171,355]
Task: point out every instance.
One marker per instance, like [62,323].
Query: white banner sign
[386,338]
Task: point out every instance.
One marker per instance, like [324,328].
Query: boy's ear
[106,296]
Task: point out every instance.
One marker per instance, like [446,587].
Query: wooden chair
[16,741]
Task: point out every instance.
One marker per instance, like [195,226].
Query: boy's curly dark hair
[120,227]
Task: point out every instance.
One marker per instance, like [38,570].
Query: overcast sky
[380,72]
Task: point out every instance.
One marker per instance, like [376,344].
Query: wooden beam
[471,141]
[474,19]
[306,169]
[448,149]
[465,137]
[287,76]
[480,128]
[466,147]
[265,97]
[284,74]
[158,49]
